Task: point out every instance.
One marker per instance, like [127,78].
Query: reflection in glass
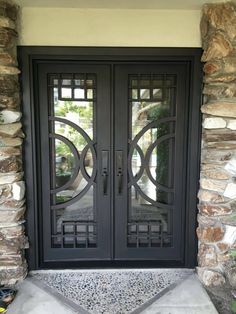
[157,93]
[150,223]
[73,223]
[79,93]
[66,82]
[144,93]
[66,92]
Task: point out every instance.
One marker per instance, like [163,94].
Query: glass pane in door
[73,98]
[151,160]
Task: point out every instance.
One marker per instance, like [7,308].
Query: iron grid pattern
[77,232]
[150,89]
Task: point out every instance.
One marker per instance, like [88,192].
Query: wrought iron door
[74,103]
[112,191]
[150,144]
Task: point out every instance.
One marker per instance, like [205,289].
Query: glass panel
[89,83]
[157,93]
[144,83]
[134,83]
[66,92]
[90,93]
[79,93]
[136,163]
[72,166]
[66,82]
[79,82]
[144,93]
[151,194]
[64,163]
[134,94]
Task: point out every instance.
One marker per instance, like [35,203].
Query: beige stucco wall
[106,27]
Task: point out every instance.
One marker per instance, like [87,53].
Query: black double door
[112,161]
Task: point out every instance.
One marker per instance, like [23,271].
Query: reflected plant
[162,151]
[82,114]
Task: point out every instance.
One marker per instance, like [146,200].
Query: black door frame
[30,57]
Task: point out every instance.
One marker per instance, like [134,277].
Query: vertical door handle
[119,171]
[105,165]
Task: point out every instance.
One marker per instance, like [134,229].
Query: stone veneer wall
[217,195]
[12,240]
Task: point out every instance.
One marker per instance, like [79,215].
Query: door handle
[105,165]
[119,171]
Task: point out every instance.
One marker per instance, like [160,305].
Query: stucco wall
[104,27]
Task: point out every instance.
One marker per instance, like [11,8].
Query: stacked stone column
[12,188]
[217,195]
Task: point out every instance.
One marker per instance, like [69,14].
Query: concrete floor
[188,297]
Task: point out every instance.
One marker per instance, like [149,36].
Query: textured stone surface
[6,22]
[10,275]
[9,70]
[10,177]
[221,78]
[10,164]
[230,191]
[11,203]
[9,102]
[231,124]
[213,185]
[10,142]
[231,166]
[225,109]
[11,259]
[216,155]
[218,16]
[222,247]
[209,196]
[210,234]
[10,151]
[219,135]
[11,129]
[12,188]
[230,235]
[214,210]
[216,173]
[7,58]
[7,38]
[11,215]
[207,256]
[9,10]
[18,190]
[8,85]
[111,291]
[224,145]
[214,123]
[210,278]
[218,47]
[8,116]
[217,195]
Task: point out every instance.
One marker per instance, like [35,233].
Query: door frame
[29,58]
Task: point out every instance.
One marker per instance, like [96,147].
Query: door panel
[75,161]
[150,138]
[87,213]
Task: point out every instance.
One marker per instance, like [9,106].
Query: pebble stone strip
[12,188]
[217,194]
[111,291]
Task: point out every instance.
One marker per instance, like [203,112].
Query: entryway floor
[146,291]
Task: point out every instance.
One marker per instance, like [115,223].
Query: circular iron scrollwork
[79,162]
[145,161]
